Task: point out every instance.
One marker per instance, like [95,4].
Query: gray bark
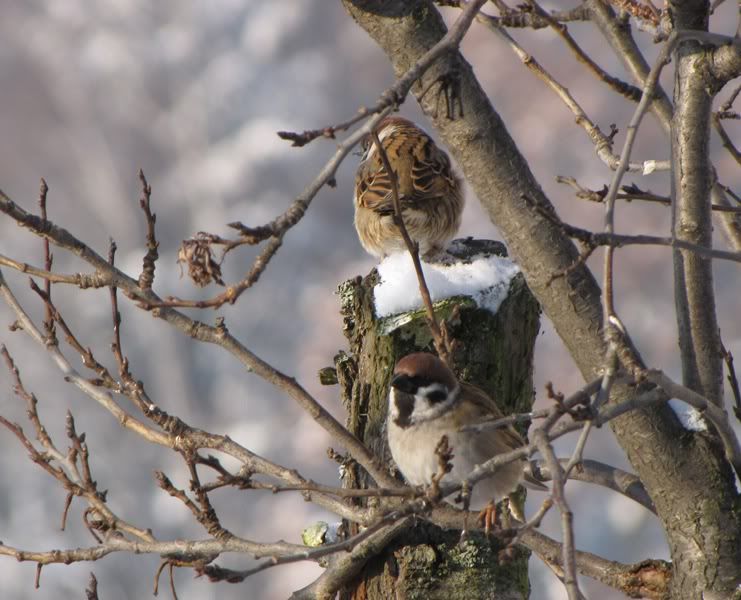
[692,181]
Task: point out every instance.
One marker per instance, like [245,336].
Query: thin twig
[571,584]
[67,473]
[217,335]
[593,239]
[146,279]
[48,261]
[629,193]
[601,142]
[182,434]
[725,139]
[621,87]
[276,230]
[648,92]
[443,350]
[527,19]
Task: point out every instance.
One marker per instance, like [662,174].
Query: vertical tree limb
[692,181]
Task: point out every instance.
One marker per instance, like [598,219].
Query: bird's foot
[488,518]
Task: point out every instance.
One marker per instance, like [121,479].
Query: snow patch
[690,417]
[485,278]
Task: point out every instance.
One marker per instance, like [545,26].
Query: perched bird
[426,401]
[430,193]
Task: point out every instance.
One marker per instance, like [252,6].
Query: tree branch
[692,181]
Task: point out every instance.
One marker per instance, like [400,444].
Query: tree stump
[494,351]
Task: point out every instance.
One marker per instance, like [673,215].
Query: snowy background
[193,93]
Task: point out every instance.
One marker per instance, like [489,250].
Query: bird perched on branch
[427,402]
[430,193]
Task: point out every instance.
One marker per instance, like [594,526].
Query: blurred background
[193,93]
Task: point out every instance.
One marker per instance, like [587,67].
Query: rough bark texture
[684,472]
[692,180]
[699,336]
[495,352]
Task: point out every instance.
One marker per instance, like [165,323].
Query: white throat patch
[425,409]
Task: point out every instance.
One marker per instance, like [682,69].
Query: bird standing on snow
[430,193]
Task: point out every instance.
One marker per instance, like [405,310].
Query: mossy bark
[495,351]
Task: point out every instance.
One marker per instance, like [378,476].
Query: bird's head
[422,388]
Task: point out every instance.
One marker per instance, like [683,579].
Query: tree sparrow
[426,401]
[430,193]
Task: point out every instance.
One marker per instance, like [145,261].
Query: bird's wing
[508,438]
[487,409]
[423,173]
[432,176]
[373,187]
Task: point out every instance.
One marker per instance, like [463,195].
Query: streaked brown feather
[430,193]
[423,171]
[488,409]
[507,439]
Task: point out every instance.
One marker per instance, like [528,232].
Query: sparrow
[430,192]
[427,402]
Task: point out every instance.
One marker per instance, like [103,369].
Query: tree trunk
[493,351]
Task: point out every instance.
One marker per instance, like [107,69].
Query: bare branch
[275,230]
[648,93]
[725,138]
[187,550]
[629,193]
[643,12]
[48,261]
[594,239]
[384,528]
[602,143]
[624,89]
[592,471]
[179,433]
[146,279]
[441,346]
[647,579]
[524,18]
[217,335]
[567,527]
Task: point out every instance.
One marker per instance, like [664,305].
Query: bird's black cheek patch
[437,396]
[404,407]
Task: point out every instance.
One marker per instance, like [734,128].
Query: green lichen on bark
[433,564]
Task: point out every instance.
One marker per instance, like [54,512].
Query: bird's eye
[436,396]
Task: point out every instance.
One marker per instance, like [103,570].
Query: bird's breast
[413,450]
